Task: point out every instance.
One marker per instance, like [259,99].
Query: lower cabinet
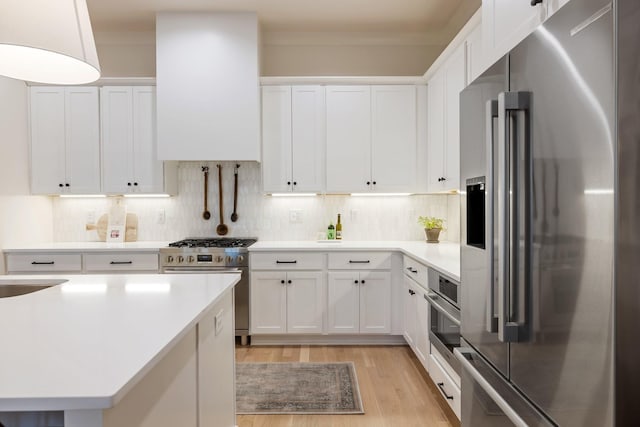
[287,302]
[446,385]
[416,320]
[359,302]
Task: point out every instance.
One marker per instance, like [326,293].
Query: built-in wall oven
[215,255]
[444,306]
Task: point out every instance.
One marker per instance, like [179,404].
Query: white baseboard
[328,340]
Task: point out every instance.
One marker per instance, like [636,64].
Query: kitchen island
[118,350]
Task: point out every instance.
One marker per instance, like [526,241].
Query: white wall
[377,218]
[23,218]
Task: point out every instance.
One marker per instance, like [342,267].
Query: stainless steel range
[214,255]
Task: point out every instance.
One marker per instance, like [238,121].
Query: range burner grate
[227,242]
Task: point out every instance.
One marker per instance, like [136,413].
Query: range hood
[207,86]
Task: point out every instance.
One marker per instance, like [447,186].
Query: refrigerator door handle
[491,113]
[509,177]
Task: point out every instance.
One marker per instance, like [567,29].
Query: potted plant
[432,227]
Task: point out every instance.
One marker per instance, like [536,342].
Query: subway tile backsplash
[268,218]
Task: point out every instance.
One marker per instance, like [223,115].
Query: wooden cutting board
[131,227]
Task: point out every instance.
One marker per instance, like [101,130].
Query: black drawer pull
[43,262]
[441,387]
[359,262]
[120,262]
[286,262]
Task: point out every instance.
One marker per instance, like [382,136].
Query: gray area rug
[297,388]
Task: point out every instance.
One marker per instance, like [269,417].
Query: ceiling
[294,15]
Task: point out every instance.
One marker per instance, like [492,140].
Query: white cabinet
[416,309]
[506,22]
[293,143]
[208,90]
[286,301]
[449,387]
[348,139]
[65,140]
[359,302]
[371,138]
[476,61]
[554,5]
[129,154]
[443,153]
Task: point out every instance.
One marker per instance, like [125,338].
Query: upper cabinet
[208,99]
[129,158]
[444,122]
[293,126]
[65,140]
[371,138]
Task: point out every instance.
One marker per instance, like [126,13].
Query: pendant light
[47,41]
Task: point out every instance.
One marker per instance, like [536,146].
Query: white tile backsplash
[363,218]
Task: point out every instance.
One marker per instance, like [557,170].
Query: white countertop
[150,246]
[443,256]
[85,343]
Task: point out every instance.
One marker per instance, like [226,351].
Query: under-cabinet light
[140,196]
[598,191]
[81,196]
[379,194]
[293,194]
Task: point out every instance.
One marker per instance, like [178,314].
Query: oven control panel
[174,257]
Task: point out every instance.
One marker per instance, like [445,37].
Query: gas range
[206,253]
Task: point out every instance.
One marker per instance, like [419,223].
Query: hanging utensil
[234,215]
[206,214]
[221,229]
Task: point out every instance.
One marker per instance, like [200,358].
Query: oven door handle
[431,297]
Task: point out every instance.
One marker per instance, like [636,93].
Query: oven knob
[191,259]
[169,259]
[219,258]
[229,259]
[240,259]
[180,259]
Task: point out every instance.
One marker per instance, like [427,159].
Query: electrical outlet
[91,216]
[162,216]
[295,216]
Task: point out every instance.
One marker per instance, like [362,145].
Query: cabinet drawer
[446,385]
[287,261]
[360,261]
[121,262]
[43,263]
[416,271]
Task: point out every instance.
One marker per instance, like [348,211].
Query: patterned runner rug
[297,388]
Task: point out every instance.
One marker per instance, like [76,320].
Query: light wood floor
[395,389]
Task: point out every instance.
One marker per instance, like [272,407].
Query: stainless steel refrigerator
[550,214]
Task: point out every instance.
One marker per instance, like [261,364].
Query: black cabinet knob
[355,281]
[67,184]
[135,183]
[60,185]
[295,183]
[362,281]
[368,182]
[288,182]
[374,183]
[535,2]
[289,281]
[129,184]
[282,281]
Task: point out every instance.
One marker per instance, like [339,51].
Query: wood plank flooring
[394,387]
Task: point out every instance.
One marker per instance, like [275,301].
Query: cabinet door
[148,171]
[393,138]
[455,81]
[276,139]
[47,139]
[117,139]
[343,302]
[348,138]
[435,130]
[82,125]
[308,141]
[305,302]
[409,308]
[506,22]
[475,54]
[375,303]
[268,302]
[422,327]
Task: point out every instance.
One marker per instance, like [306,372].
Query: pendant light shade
[47,41]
